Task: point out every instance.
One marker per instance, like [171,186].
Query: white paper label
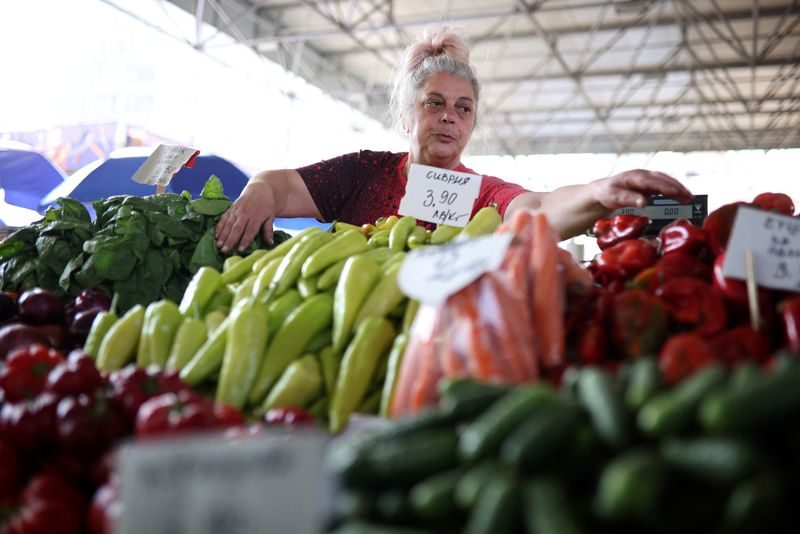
[162,164]
[440,196]
[775,243]
[260,484]
[432,274]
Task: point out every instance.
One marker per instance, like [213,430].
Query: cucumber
[497,509]
[602,396]
[672,411]
[392,505]
[465,398]
[760,404]
[433,498]
[744,374]
[754,504]
[475,479]
[403,460]
[483,436]
[644,380]
[717,460]
[630,486]
[545,432]
[546,508]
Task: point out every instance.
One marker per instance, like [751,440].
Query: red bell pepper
[734,292]
[289,416]
[719,224]
[639,323]
[694,305]
[790,316]
[88,425]
[626,258]
[740,344]
[78,374]
[777,202]
[682,236]
[47,504]
[682,355]
[618,228]
[131,386]
[25,373]
[29,425]
[669,267]
[171,413]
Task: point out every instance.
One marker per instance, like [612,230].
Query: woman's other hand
[634,187]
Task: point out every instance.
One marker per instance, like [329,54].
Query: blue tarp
[103,179]
[27,176]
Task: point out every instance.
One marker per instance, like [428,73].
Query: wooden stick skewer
[752,289]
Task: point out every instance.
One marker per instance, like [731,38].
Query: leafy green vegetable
[212,190]
[143,248]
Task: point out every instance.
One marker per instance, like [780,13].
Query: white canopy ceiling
[558,75]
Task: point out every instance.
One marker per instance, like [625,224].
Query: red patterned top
[360,187]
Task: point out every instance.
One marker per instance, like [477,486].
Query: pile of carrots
[505,327]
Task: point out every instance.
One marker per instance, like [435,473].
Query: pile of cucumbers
[606,452]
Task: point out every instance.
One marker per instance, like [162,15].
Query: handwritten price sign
[163,163]
[432,274]
[774,241]
[440,196]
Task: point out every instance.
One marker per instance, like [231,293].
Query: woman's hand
[252,212]
[634,187]
[268,194]
[573,209]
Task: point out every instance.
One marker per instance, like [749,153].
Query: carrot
[519,344]
[485,363]
[494,304]
[547,298]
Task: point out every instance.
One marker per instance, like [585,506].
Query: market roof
[559,75]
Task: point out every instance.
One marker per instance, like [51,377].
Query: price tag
[775,244]
[662,211]
[163,163]
[434,273]
[273,483]
[440,196]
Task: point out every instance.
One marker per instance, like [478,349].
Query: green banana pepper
[399,233]
[394,361]
[329,363]
[247,341]
[243,267]
[309,318]
[289,269]
[307,286]
[379,239]
[208,358]
[280,308]
[298,386]
[120,343]
[444,233]
[385,295]
[265,276]
[161,321]
[201,288]
[418,237]
[343,246]
[191,335]
[282,249]
[374,336]
[359,276]
[103,321]
[484,222]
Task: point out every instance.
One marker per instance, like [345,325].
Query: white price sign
[774,241]
[260,484]
[440,196]
[163,163]
[432,274]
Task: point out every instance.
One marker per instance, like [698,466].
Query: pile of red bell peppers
[666,296]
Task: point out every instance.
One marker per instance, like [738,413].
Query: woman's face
[441,121]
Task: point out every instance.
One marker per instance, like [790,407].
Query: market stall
[473,377]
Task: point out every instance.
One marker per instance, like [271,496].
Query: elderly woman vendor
[435,100]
